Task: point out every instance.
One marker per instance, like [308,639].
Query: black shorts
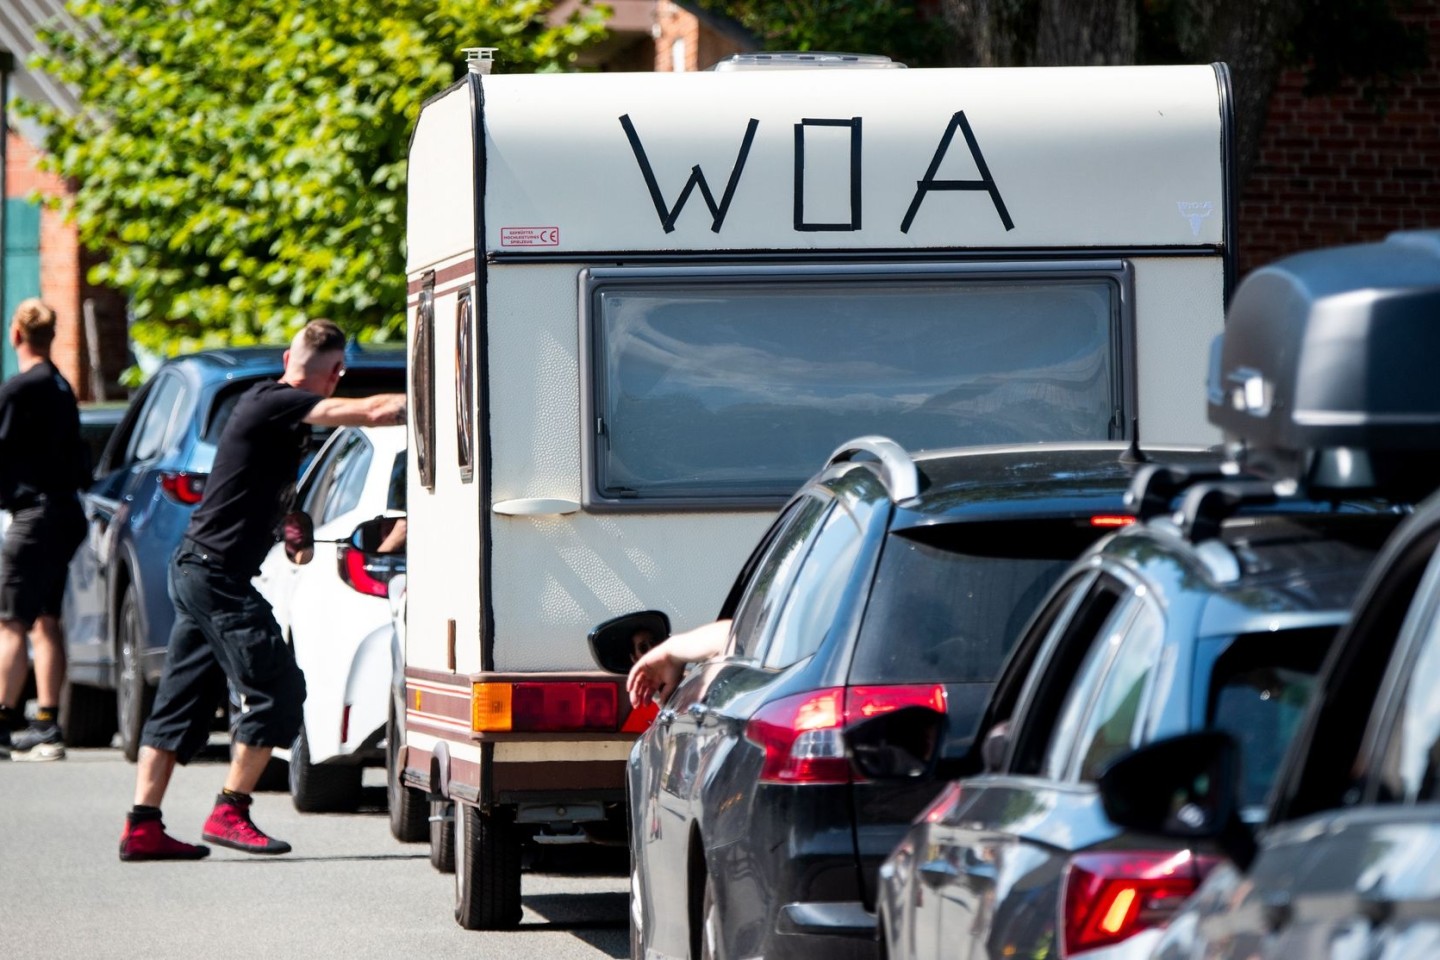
[224,631]
[35,558]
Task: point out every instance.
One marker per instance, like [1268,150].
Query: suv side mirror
[382,535]
[298,532]
[617,643]
[994,747]
[902,744]
[1184,788]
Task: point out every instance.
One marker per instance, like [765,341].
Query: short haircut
[321,336]
[36,323]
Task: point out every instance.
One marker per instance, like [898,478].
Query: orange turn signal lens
[490,707]
[1112,520]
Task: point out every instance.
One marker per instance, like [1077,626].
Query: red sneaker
[147,840]
[230,826]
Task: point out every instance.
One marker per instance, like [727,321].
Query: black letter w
[697,179]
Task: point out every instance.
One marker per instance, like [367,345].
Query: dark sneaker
[230,826]
[39,741]
[147,840]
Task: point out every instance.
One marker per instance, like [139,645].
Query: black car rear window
[949,601]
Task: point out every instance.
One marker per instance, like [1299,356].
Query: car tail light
[641,717]
[345,724]
[1110,897]
[801,735]
[551,706]
[365,574]
[184,488]
[942,805]
[1112,520]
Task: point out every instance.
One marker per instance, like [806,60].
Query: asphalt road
[348,889]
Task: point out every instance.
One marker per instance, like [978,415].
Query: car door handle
[938,871]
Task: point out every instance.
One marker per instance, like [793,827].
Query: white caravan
[643,308]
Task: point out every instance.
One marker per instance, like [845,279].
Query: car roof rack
[897,471]
[1207,505]
[1156,484]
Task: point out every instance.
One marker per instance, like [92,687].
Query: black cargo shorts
[224,631]
[35,557]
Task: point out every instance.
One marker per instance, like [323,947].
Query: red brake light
[358,575]
[184,488]
[1110,897]
[941,806]
[552,706]
[1112,520]
[801,734]
[641,717]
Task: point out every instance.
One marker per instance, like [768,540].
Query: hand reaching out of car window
[658,670]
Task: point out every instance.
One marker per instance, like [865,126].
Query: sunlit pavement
[348,890]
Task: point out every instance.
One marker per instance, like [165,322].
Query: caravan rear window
[713,387]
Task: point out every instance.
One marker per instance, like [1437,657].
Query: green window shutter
[22,267]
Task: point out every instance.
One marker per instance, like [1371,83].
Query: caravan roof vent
[805,58]
[1325,371]
[480,59]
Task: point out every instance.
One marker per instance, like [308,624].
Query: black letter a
[986,182]
[697,179]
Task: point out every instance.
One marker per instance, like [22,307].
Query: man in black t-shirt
[42,464]
[224,631]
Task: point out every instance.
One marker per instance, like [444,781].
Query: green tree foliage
[240,164]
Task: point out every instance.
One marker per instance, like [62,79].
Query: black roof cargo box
[1328,372]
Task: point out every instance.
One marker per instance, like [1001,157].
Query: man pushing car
[224,630]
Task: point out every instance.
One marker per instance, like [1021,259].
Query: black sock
[234,797]
[141,813]
[47,714]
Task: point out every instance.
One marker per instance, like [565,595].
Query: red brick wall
[60,271]
[1331,170]
[703,45]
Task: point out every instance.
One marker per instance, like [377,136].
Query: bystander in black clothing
[43,463]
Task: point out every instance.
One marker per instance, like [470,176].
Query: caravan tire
[442,836]
[487,870]
[409,813]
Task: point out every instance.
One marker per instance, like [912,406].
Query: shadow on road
[595,918]
[342,858]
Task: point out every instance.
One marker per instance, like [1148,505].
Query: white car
[335,610]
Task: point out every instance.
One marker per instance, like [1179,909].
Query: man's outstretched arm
[381,410]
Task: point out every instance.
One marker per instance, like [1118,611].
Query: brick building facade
[1332,170]
[41,251]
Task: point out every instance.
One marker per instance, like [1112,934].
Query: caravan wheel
[487,870]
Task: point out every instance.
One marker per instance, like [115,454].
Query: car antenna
[1133,453]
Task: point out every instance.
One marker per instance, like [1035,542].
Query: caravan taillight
[551,706]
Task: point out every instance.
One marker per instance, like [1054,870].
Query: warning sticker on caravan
[529,236]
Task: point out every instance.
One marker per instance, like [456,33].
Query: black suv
[886,582]
[1216,615]
[1326,381]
